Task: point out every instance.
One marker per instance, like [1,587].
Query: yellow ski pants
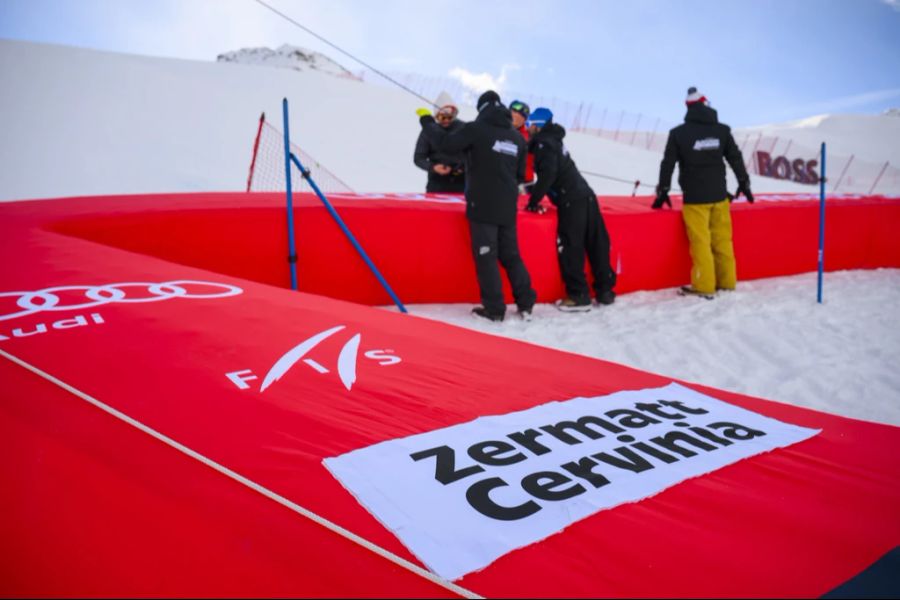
[712,252]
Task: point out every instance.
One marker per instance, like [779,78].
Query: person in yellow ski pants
[708,229]
[700,147]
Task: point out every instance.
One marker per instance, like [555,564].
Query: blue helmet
[540,117]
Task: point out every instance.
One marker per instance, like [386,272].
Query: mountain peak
[286,57]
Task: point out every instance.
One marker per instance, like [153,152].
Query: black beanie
[487,98]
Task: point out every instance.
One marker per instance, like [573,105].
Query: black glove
[744,188]
[662,197]
[534,207]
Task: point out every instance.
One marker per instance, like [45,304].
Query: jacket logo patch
[505,147]
[707,144]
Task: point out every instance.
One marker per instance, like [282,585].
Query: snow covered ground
[769,338]
[78,122]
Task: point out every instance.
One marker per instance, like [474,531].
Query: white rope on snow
[402,562]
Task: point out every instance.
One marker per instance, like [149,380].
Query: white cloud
[895,4]
[476,83]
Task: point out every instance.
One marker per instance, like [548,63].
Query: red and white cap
[694,96]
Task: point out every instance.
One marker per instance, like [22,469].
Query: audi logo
[49,299]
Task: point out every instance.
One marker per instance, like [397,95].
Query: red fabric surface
[94,507]
[422,248]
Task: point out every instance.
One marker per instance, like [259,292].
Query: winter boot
[480,311]
[687,290]
[571,305]
[606,297]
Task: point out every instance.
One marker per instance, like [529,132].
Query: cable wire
[636,183]
[341,50]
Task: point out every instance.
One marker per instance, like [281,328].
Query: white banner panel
[463,496]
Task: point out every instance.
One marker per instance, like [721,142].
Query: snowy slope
[143,124]
[874,138]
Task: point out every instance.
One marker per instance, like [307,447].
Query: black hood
[700,113]
[496,115]
[551,130]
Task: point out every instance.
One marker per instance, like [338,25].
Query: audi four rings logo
[49,299]
[347,360]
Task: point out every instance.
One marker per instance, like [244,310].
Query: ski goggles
[520,107]
[446,113]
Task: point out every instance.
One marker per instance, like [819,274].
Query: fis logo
[346,363]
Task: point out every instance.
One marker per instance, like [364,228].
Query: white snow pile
[285,57]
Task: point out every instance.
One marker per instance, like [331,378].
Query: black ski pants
[581,230]
[491,243]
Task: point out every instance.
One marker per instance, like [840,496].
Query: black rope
[339,49]
[631,181]
[635,182]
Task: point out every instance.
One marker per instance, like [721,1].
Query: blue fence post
[292,250]
[346,230]
[821,225]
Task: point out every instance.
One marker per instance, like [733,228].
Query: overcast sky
[757,61]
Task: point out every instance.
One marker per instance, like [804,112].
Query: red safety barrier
[422,246]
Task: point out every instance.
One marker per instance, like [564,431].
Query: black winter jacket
[427,155]
[495,162]
[698,146]
[558,177]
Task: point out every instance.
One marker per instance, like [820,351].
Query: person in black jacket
[580,227]
[699,146]
[445,170]
[494,165]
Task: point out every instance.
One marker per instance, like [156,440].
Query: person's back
[493,167]
[580,228]
[559,174]
[495,156]
[699,146]
[495,164]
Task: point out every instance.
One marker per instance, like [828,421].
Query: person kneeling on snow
[580,227]
[699,146]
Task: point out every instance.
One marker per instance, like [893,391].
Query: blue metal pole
[349,235]
[821,225]
[292,252]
